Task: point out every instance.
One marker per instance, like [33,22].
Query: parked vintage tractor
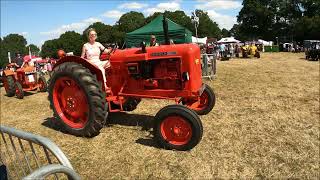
[16,81]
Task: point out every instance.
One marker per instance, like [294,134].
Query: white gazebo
[228,40]
[199,40]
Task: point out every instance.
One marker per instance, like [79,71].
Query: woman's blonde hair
[89,31]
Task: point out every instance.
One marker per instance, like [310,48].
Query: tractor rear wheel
[206,103]
[43,86]
[19,91]
[77,100]
[9,86]
[129,104]
[177,127]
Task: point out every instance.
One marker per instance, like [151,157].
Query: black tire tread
[12,90]
[19,86]
[185,112]
[95,96]
[41,78]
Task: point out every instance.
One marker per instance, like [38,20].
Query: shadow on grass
[122,119]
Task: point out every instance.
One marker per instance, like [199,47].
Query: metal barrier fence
[29,156]
[209,65]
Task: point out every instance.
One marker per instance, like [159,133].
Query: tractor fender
[92,67]
[8,72]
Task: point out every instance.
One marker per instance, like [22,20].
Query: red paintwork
[70,102]
[198,105]
[176,130]
[166,81]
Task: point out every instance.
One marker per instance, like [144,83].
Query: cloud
[23,33]
[224,21]
[92,20]
[132,5]
[112,14]
[218,4]
[78,27]
[161,7]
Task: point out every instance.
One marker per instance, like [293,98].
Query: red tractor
[16,81]
[81,102]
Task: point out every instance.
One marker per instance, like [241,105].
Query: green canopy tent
[177,33]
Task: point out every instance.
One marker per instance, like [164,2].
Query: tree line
[278,20]
[72,41]
[272,20]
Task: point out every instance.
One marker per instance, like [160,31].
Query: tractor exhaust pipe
[165,30]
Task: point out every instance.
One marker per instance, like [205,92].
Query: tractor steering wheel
[114,48]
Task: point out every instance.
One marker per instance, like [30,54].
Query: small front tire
[177,127]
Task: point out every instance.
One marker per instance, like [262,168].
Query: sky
[39,20]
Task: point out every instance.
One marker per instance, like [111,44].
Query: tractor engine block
[157,74]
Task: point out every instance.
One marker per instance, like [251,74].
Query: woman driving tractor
[91,51]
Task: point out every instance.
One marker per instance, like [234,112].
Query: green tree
[50,48]
[13,43]
[102,30]
[71,41]
[311,7]
[34,49]
[225,33]
[178,17]
[255,20]
[307,28]
[290,20]
[130,21]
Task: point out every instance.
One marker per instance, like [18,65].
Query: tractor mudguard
[92,67]
[8,72]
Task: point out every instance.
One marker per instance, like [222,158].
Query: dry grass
[265,125]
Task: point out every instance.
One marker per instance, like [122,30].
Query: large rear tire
[77,100]
[9,86]
[177,127]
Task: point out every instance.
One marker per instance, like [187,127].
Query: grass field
[265,125]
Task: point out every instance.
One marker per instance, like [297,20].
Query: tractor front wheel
[19,91]
[9,85]
[177,127]
[42,84]
[77,100]
[205,103]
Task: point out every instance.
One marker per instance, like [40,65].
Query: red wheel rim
[201,104]
[176,130]
[70,102]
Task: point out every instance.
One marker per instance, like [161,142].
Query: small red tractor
[16,81]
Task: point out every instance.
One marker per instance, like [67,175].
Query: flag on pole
[30,53]
[9,57]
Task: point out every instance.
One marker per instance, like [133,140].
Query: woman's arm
[83,51]
[103,49]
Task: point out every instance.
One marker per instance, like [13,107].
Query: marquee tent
[177,33]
